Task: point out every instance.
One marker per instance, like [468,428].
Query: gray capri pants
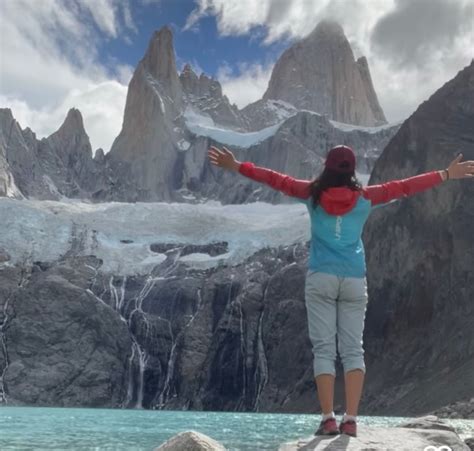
[335,304]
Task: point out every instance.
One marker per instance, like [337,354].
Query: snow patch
[363,178]
[351,127]
[183,144]
[155,84]
[8,186]
[282,110]
[53,189]
[202,125]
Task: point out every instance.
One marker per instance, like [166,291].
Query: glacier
[120,234]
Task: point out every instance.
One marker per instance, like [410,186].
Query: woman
[335,286]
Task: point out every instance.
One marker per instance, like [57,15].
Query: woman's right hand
[223,159]
[458,170]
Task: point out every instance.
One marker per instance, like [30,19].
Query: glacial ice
[121,233]
[202,125]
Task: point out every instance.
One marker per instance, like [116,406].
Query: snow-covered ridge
[121,234]
[351,127]
[202,125]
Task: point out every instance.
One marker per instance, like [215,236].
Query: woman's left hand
[224,159]
[458,170]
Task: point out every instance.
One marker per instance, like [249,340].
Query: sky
[59,54]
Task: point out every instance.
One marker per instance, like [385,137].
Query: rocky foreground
[425,433]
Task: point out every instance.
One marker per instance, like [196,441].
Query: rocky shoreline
[427,432]
[460,409]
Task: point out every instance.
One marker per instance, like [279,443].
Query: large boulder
[416,435]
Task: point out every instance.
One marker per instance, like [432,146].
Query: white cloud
[248,85]
[49,64]
[292,18]
[128,19]
[234,17]
[103,13]
[400,89]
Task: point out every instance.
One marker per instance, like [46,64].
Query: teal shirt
[336,245]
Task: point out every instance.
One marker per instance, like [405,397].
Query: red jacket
[340,200]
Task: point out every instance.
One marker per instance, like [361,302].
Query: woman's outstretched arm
[276,180]
[396,189]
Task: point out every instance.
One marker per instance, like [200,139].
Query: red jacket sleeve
[281,182]
[395,189]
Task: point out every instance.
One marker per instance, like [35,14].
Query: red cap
[341,159]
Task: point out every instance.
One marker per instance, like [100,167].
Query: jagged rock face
[375,107]
[71,143]
[159,62]
[60,347]
[190,81]
[205,94]
[184,339]
[220,339]
[80,174]
[420,256]
[320,74]
[143,155]
[16,158]
[56,166]
[8,187]
[265,113]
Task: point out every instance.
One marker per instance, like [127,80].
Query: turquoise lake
[37,428]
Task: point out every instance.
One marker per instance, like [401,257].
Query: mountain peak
[327,28]
[164,30]
[159,61]
[6,114]
[73,120]
[71,136]
[319,73]
[187,69]
[159,58]
[73,124]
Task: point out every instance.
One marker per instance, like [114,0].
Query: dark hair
[330,179]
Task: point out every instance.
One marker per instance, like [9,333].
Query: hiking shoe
[327,427]
[348,427]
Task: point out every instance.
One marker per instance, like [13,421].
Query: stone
[428,422]
[4,256]
[191,441]
[459,409]
[377,438]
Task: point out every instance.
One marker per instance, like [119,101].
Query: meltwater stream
[37,428]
